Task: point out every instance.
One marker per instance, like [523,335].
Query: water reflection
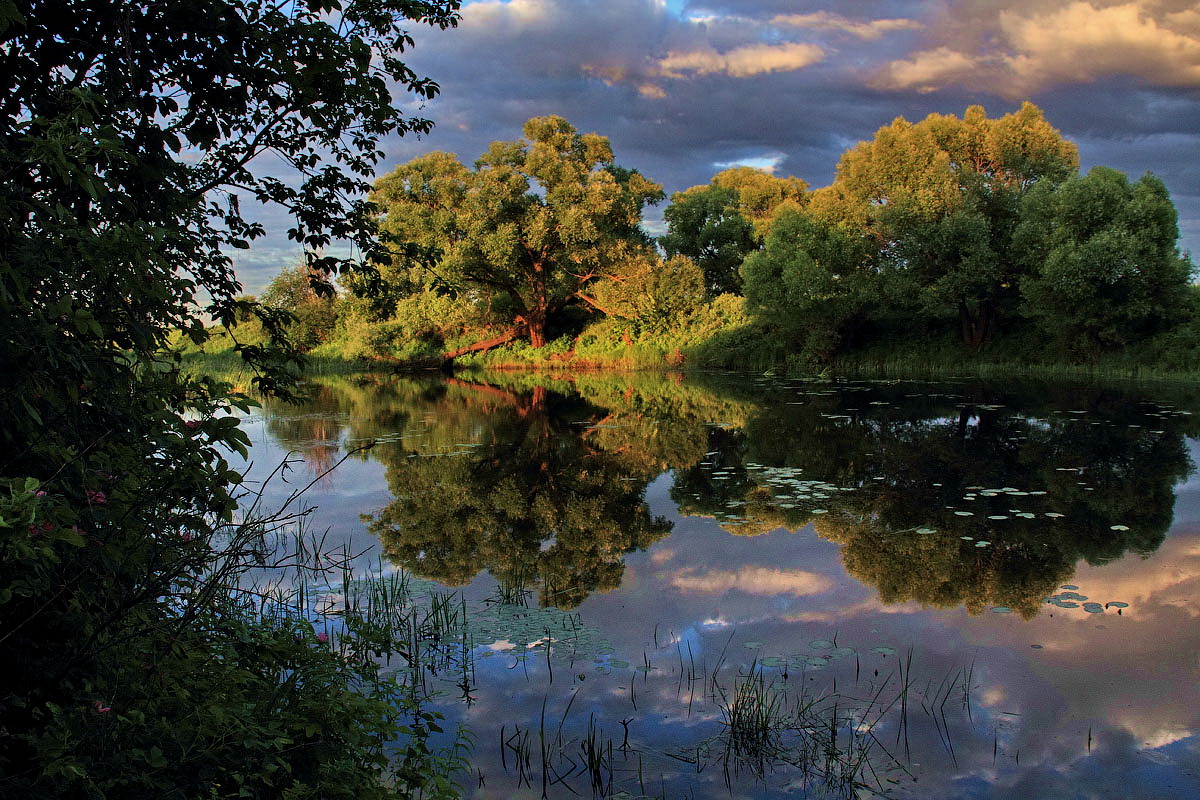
[947,496]
[951,499]
[816,533]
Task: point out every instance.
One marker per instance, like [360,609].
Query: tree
[313,312]
[718,225]
[812,282]
[129,137]
[658,292]
[941,198]
[538,221]
[1102,264]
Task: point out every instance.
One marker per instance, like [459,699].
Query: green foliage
[940,199]
[811,282]
[656,292]
[130,671]
[718,225]
[302,293]
[532,226]
[702,224]
[1103,269]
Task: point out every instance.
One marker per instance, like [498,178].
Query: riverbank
[745,350]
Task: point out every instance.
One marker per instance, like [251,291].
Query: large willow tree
[533,226]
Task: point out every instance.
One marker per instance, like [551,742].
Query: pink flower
[322,637]
[38,493]
[192,424]
[101,708]
[47,526]
[97,498]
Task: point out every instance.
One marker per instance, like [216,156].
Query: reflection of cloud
[741,62]
[662,556]
[752,580]
[1149,590]
[827,21]
[862,608]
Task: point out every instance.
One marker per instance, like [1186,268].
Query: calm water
[971,590]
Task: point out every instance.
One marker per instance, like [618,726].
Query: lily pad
[1001,610]
[964,513]
[821,644]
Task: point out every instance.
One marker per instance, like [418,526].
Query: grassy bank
[721,336]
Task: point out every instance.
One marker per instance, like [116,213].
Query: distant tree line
[974,228]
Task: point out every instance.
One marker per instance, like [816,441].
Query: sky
[684,89]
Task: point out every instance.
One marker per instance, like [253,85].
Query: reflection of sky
[1044,689]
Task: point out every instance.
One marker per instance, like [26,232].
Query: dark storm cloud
[681,87]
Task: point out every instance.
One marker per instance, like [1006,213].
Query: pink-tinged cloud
[827,21]
[928,70]
[1022,50]
[752,580]
[740,62]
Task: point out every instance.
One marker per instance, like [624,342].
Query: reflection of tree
[534,500]
[910,462]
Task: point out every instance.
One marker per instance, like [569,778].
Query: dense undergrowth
[722,335]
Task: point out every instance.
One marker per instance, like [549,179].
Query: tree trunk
[975,326]
[538,307]
[537,333]
[486,344]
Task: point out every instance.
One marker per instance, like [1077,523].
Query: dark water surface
[739,587]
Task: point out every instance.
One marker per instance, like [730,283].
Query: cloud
[741,62]
[1021,49]
[862,29]
[1080,42]
[928,70]
[752,580]
[598,65]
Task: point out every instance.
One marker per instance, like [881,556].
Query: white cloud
[1081,42]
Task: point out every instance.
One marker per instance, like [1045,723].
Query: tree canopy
[719,224]
[941,199]
[535,224]
[1101,267]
